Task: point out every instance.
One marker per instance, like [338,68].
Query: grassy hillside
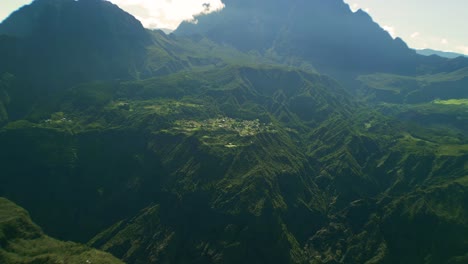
[416,89]
[22,241]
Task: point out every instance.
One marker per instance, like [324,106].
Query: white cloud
[390,30]
[444,41]
[354,7]
[415,35]
[463,49]
[167,13]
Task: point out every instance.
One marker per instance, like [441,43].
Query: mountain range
[327,34]
[445,54]
[268,132]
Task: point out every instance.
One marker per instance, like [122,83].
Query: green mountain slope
[22,241]
[217,166]
[204,152]
[433,106]
[416,89]
[147,113]
[49,47]
[424,226]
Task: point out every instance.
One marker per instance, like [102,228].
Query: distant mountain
[325,32]
[445,54]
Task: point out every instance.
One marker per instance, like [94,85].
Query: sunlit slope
[417,89]
[434,107]
[220,113]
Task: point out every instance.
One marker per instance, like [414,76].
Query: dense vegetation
[22,241]
[202,147]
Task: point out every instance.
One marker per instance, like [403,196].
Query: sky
[167,14]
[435,24]
[8,6]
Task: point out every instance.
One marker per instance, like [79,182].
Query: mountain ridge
[335,14]
[446,54]
[109,44]
[327,34]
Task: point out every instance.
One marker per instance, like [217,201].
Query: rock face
[22,241]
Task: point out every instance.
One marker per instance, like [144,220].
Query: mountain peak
[80,40]
[59,16]
[324,32]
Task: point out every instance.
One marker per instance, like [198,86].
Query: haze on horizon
[420,23]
